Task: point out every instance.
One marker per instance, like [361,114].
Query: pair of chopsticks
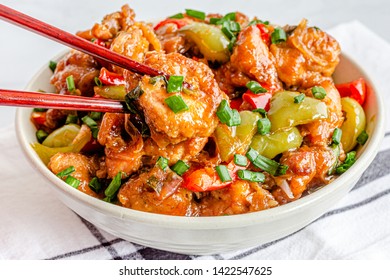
[43,100]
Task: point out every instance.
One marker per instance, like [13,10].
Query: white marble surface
[23,53]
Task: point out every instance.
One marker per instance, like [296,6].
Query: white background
[22,53]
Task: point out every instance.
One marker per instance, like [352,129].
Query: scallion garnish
[180,167]
[362,138]
[72,181]
[52,65]
[162,162]
[262,112]
[263,126]
[92,125]
[177,16]
[235,119]
[251,176]
[348,162]
[95,115]
[66,172]
[252,154]
[299,98]
[240,160]
[336,136]
[155,79]
[175,84]
[281,170]
[95,185]
[257,21]
[71,119]
[40,110]
[255,87]
[41,135]
[262,162]
[114,186]
[223,173]
[279,35]
[176,103]
[227,17]
[196,14]
[226,115]
[98,82]
[70,83]
[318,92]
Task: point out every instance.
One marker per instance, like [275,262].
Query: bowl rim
[212,222]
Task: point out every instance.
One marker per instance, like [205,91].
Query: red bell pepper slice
[264,33]
[38,118]
[236,103]
[258,100]
[207,179]
[355,89]
[178,22]
[110,78]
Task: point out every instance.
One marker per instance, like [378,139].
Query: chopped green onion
[230,16]
[252,154]
[196,14]
[336,136]
[175,84]
[108,199]
[228,33]
[255,87]
[180,167]
[262,162]
[162,162]
[279,35]
[176,103]
[39,110]
[232,43]
[72,181]
[66,172]
[263,126]
[362,138]
[95,185]
[215,21]
[262,112]
[52,65]
[348,162]
[177,16]
[98,82]
[41,135]
[114,186]
[251,176]
[228,116]
[232,26]
[299,98]
[227,17]
[92,125]
[95,115]
[281,170]
[318,92]
[235,119]
[71,119]
[240,160]
[70,83]
[257,21]
[223,173]
[155,79]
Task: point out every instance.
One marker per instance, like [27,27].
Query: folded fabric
[36,225]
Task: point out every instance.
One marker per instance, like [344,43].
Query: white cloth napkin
[36,225]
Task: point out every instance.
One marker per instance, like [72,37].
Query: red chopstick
[57,101]
[75,42]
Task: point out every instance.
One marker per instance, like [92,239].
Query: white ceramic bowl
[208,235]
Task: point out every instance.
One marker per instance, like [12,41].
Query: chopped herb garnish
[70,83]
[39,110]
[232,43]
[41,135]
[252,154]
[95,115]
[155,79]
[223,173]
[92,125]
[336,136]
[98,82]
[176,103]
[196,14]
[227,17]
[263,126]
[180,167]
[66,172]
[262,162]
[72,181]
[348,162]
[177,16]
[262,112]
[235,119]
[162,162]
[362,138]
[175,84]
[52,65]
[240,160]
[114,186]
[299,98]
[318,92]
[251,176]
[95,185]
[278,36]
[281,170]
[255,87]
[226,115]
[257,21]
[71,119]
